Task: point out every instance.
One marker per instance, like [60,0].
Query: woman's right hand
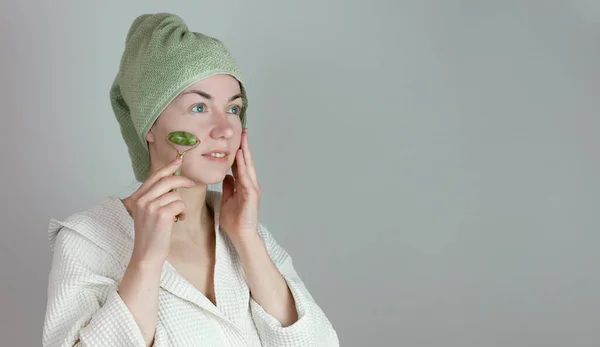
[154,208]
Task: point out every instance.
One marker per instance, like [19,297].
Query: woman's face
[209,109]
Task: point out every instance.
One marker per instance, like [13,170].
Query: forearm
[267,286]
[139,291]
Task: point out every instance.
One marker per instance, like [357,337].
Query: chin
[209,178]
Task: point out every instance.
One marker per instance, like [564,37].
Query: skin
[189,245]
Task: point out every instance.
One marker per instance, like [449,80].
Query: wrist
[139,274]
[145,263]
[247,242]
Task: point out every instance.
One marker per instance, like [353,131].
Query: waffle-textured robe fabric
[91,250]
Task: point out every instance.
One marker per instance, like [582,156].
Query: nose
[221,129]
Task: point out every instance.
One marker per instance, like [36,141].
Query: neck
[198,226]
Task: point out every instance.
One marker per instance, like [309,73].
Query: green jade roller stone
[182,138]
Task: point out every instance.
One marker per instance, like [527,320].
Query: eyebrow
[208,96]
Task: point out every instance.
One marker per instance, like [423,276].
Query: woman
[175,264]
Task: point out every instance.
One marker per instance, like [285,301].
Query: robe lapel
[231,289]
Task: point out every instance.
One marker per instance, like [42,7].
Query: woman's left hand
[241,196]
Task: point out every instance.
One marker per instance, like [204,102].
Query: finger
[228,188]
[155,205]
[164,171]
[242,177]
[165,186]
[248,158]
[234,166]
[171,210]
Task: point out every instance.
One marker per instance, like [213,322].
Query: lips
[217,151]
[217,154]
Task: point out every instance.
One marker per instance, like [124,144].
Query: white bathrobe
[91,252]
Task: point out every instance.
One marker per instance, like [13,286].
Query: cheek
[236,123]
[235,143]
[236,139]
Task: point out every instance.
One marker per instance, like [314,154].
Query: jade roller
[181,138]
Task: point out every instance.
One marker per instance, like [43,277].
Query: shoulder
[101,228]
[277,253]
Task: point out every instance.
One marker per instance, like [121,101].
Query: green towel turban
[161,59]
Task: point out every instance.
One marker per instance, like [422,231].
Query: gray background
[432,166]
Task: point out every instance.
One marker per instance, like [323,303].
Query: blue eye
[199,108]
[235,110]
